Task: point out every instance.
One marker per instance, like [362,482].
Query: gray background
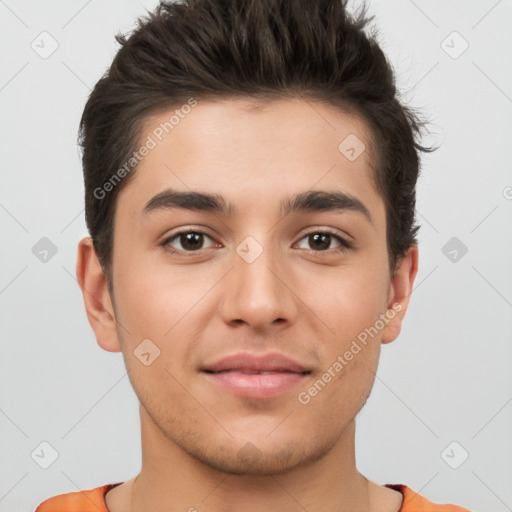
[446,379]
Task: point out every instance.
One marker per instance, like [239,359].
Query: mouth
[256,384]
[257,377]
[256,372]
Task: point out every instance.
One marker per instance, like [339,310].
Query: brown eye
[323,241]
[188,241]
[319,241]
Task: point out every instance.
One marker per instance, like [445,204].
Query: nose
[258,293]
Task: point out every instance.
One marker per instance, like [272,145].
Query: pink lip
[251,376]
[256,385]
[269,362]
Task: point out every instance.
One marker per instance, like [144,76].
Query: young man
[250,189]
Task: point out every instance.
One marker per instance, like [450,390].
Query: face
[269,268]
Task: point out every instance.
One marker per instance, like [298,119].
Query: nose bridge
[256,292]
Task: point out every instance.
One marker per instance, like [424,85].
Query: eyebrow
[311,201]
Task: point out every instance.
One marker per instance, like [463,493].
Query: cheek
[155,300]
[349,300]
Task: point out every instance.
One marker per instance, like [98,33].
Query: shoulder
[414,502]
[91,500]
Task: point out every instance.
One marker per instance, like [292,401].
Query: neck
[171,479]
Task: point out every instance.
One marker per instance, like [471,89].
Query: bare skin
[380,498]
[203,446]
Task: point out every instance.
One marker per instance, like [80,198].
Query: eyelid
[182,231]
[344,240]
[345,244]
[330,231]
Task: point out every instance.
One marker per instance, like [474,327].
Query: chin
[250,460]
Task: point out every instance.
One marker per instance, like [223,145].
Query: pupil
[319,237]
[192,241]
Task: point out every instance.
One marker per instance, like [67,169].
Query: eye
[187,241]
[323,241]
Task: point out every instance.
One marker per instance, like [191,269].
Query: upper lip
[271,361]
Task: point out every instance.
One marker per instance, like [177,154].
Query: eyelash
[343,247]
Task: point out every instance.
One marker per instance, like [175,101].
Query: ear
[97,301]
[399,293]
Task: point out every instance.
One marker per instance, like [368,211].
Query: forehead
[286,123]
[254,150]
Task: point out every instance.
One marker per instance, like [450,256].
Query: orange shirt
[93,500]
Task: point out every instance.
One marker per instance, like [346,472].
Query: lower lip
[256,385]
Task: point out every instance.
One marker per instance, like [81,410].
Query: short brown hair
[261,49]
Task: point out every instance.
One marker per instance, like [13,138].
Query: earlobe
[97,301]
[399,294]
